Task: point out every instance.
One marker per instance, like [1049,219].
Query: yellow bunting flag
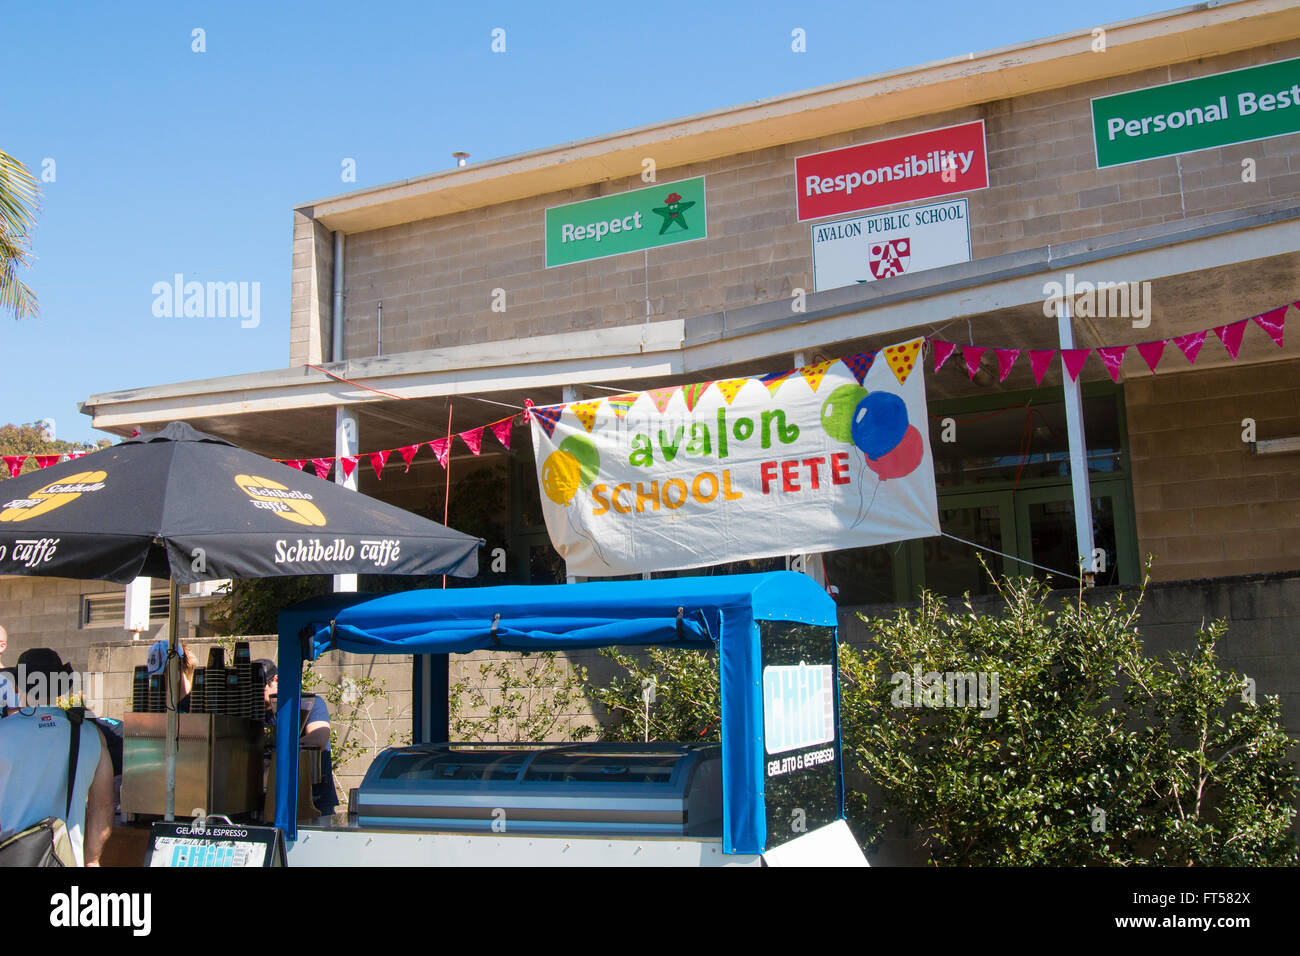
[814,374]
[586,412]
[730,388]
[902,358]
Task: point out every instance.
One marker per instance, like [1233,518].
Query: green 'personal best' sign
[1209,111]
[626,222]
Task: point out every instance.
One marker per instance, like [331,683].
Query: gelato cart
[772,792]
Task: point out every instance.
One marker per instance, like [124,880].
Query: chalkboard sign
[218,844]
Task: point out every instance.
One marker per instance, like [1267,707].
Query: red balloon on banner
[903,459]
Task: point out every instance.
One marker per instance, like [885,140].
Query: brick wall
[1206,506]
[435,277]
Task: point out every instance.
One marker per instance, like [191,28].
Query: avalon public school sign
[659,215]
[887,244]
[938,162]
[1239,106]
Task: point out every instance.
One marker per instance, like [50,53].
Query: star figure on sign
[672,212]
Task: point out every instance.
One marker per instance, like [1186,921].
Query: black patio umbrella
[189,507]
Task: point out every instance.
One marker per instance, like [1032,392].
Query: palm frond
[19,203]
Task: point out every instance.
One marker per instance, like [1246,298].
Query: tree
[1078,748]
[687,696]
[18,207]
[31,439]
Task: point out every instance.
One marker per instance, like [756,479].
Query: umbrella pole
[173,695]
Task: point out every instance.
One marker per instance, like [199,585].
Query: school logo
[673,211]
[890,258]
[54,495]
[268,495]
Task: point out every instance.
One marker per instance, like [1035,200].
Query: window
[109,610]
[1004,485]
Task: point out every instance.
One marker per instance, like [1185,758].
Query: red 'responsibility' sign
[938,162]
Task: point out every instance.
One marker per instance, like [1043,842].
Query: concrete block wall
[436,277]
[45,612]
[1206,506]
[312,294]
[372,723]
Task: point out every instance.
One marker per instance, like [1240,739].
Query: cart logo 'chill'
[268,495]
[798,706]
[54,495]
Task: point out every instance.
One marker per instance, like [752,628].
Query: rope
[1011,557]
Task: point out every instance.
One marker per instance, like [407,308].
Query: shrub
[1083,750]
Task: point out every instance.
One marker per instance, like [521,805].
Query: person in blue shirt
[315,733]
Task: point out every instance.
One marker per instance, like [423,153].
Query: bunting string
[441,448]
[1112,356]
[901,360]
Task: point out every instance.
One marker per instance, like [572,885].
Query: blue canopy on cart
[719,611]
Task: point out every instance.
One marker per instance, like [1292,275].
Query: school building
[1142,177]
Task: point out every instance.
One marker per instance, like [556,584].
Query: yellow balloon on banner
[560,476]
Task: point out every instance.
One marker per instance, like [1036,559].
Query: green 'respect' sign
[658,215]
[1235,107]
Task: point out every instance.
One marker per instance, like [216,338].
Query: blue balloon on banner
[879,424]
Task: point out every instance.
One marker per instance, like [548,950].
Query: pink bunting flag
[1272,322]
[407,454]
[972,354]
[528,406]
[348,464]
[298,463]
[14,463]
[1006,360]
[502,430]
[942,350]
[1151,352]
[44,461]
[442,449]
[377,461]
[323,467]
[473,439]
[1190,344]
[1113,357]
[1073,360]
[1040,360]
[1230,335]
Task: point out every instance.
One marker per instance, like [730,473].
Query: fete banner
[829,456]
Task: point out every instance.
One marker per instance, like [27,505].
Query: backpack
[47,842]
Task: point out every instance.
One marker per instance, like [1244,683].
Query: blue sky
[170,161]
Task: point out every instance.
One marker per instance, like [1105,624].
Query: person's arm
[99,806]
[317,731]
